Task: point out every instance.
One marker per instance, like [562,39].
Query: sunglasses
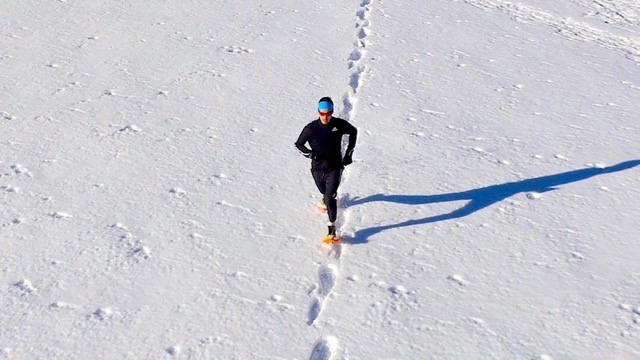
[325,113]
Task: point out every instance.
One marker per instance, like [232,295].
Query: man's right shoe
[321,205]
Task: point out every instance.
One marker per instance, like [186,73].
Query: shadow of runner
[478,198]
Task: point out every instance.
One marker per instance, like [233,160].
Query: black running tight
[327,182]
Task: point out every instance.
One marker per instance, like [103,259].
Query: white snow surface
[154,206]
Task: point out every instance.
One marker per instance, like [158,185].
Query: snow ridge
[567,27]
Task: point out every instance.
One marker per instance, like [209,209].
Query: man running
[324,136]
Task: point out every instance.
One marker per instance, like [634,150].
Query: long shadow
[478,198]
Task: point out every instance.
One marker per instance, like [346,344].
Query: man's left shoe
[331,239]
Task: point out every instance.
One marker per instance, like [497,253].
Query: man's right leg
[318,177]
[321,184]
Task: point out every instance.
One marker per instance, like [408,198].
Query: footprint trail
[356,62]
[327,346]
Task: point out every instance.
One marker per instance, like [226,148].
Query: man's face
[325,116]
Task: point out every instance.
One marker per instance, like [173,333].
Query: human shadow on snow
[478,198]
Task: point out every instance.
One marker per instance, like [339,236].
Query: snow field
[154,205]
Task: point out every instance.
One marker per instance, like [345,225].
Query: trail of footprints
[327,346]
[355,62]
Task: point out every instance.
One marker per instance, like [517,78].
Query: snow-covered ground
[154,206]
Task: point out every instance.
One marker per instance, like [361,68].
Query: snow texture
[154,206]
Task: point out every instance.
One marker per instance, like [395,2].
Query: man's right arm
[302,140]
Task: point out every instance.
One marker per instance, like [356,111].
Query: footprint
[336,252]
[324,349]
[327,275]
[348,103]
[354,58]
[7,116]
[237,49]
[314,310]
[10,189]
[354,82]
[25,287]
[355,55]
[363,33]
[103,314]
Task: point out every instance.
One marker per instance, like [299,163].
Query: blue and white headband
[325,106]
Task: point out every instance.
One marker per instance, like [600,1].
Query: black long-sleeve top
[326,142]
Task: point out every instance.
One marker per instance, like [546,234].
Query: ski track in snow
[565,26]
[327,346]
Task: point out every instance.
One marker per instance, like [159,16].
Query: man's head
[325,109]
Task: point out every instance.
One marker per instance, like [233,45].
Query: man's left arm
[353,136]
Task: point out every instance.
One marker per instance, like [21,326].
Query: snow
[153,204]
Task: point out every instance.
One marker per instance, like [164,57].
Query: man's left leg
[332,181]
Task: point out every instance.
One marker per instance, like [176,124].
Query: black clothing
[326,154]
[326,142]
[327,182]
